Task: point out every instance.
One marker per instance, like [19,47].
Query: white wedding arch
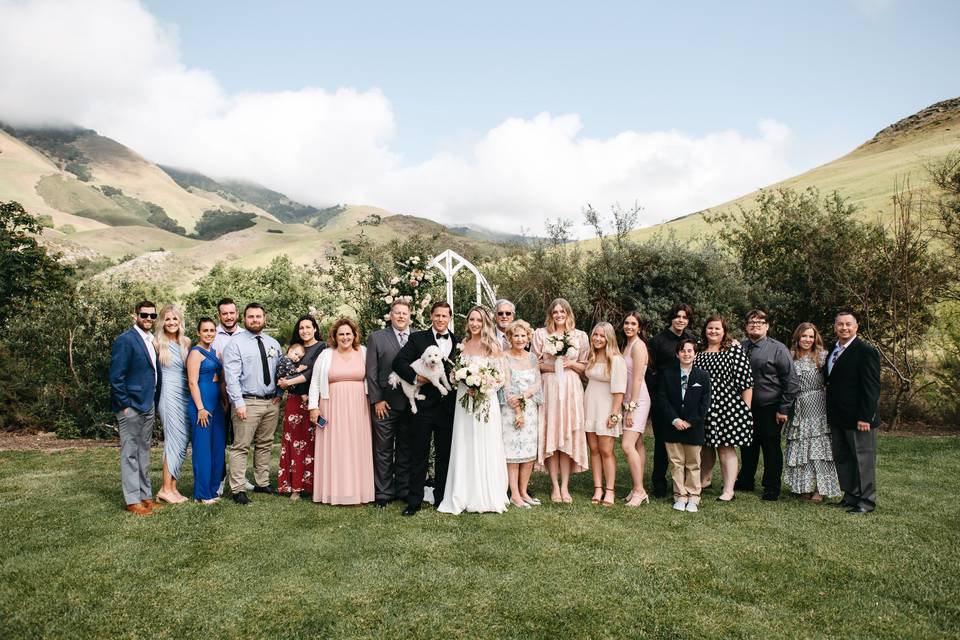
[449,263]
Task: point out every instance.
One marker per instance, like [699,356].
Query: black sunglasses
[504,313]
[144,315]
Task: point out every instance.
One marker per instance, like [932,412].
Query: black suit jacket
[692,407]
[853,386]
[416,345]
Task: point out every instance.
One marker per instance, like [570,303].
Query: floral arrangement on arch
[411,284]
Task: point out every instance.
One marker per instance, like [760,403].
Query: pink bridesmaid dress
[562,417]
[343,472]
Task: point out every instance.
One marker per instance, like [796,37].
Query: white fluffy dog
[430,366]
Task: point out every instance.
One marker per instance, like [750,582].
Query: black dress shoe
[859,510]
[266,489]
[742,486]
[840,505]
[770,497]
[241,498]
[381,504]
[410,510]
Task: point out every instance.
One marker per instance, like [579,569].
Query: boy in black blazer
[683,399]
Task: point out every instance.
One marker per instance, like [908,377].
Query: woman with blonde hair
[477,474]
[343,460]
[606,375]
[172,345]
[521,411]
[809,468]
[562,448]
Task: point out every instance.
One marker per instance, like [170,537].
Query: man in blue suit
[135,386]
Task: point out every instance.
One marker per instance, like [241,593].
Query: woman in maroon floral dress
[295,476]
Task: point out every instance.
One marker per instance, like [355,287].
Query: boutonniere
[272,352]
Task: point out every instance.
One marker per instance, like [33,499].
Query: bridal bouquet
[482,380]
[560,345]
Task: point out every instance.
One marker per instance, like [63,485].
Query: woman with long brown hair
[728,423]
[172,345]
[563,441]
[636,405]
[809,469]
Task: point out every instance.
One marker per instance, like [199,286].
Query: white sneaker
[680,506]
[220,490]
[692,507]
[247,484]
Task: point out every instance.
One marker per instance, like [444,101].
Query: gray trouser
[136,432]
[855,455]
[391,456]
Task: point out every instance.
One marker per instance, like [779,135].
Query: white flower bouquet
[560,345]
[482,381]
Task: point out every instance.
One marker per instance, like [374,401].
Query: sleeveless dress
[477,475]
[343,462]
[808,458]
[173,410]
[520,444]
[562,417]
[729,422]
[209,441]
[298,442]
[642,412]
[597,398]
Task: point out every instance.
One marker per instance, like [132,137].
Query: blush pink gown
[562,417]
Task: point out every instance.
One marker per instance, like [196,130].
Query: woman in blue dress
[205,379]
[172,345]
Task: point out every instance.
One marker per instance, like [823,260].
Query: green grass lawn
[75,566]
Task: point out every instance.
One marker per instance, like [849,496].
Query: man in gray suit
[505,314]
[391,458]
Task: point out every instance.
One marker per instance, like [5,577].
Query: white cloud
[111,66]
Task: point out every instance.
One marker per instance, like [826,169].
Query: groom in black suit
[434,414]
[852,372]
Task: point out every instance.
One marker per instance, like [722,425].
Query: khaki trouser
[685,469]
[258,428]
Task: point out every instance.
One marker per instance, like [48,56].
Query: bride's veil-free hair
[488,339]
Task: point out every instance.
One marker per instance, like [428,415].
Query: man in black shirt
[663,355]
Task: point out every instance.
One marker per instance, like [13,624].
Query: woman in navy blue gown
[205,379]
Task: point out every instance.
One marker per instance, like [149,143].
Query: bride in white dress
[477,475]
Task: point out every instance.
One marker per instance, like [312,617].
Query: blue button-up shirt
[242,370]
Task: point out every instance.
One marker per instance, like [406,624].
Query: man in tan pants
[249,370]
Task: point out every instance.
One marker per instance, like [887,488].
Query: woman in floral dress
[809,469]
[520,428]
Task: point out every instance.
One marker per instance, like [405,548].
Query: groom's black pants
[436,421]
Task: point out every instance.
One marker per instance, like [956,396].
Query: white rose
[388,299]
[461,374]
[473,368]
[394,291]
[472,381]
[395,280]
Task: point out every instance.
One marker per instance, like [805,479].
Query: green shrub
[217,222]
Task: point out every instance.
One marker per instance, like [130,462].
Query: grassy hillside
[866,175]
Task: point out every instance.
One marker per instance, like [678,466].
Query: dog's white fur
[430,366]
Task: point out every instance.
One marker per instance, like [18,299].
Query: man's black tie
[443,336]
[263,361]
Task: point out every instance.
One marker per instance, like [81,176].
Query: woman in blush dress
[636,406]
[606,375]
[343,462]
[172,345]
[477,474]
[729,422]
[810,470]
[521,412]
[298,443]
[562,447]
[208,427]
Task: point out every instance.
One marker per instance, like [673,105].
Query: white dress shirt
[148,340]
[838,350]
[446,345]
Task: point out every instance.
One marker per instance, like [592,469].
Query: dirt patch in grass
[43,441]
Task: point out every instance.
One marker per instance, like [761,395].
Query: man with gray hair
[506,313]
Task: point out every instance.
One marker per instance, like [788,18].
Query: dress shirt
[837,350]
[222,339]
[502,337]
[402,336]
[242,370]
[148,340]
[446,344]
[775,381]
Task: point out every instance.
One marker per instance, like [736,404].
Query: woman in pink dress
[343,463]
[563,441]
[636,406]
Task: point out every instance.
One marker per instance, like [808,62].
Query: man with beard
[226,330]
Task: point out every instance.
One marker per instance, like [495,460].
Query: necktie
[263,361]
[402,337]
[836,354]
[443,336]
[683,384]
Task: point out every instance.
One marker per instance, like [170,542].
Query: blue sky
[503,114]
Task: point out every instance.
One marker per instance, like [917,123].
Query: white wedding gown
[477,475]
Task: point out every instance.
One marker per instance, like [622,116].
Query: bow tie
[442,336]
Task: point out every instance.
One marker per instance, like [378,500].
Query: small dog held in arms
[430,366]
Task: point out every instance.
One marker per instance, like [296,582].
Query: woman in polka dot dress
[729,423]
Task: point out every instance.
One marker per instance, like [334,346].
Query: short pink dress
[343,471]
[562,417]
[642,412]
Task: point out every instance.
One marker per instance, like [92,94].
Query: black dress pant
[658,476]
[855,454]
[435,421]
[391,455]
[766,438]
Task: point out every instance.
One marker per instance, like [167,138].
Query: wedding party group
[494,405]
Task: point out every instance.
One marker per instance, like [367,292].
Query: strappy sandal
[595,499]
[611,501]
